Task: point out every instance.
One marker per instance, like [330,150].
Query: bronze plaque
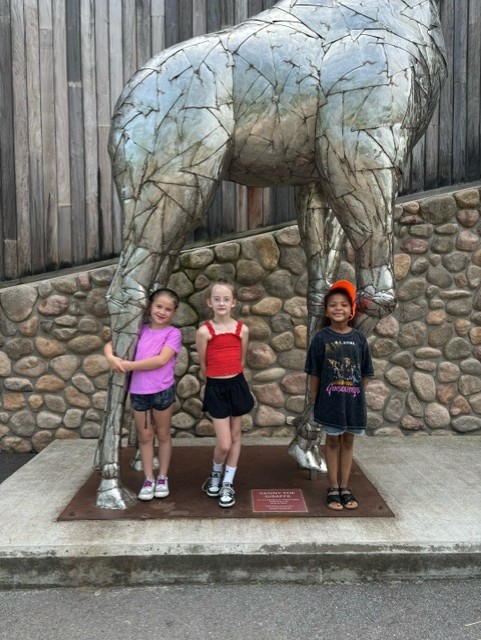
[278,500]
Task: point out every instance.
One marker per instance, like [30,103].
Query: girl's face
[221,300]
[162,310]
[338,309]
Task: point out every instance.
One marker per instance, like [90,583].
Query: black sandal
[334,499]
[347,497]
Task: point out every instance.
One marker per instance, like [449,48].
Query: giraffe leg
[323,240]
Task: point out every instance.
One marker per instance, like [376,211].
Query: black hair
[331,292]
[165,290]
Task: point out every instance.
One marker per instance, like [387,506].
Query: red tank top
[223,354]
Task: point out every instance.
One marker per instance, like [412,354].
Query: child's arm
[201,340]
[244,343]
[314,385]
[149,364]
[115,363]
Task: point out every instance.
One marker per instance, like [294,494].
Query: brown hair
[224,283]
[165,291]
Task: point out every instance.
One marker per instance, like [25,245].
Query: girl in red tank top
[222,348]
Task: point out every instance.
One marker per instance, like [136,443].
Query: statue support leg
[323,240]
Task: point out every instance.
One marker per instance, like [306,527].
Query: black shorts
[225,397]
[159,401]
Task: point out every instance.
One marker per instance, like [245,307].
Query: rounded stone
[41,440]
[283,342]
[279,283]
[182,363]
[466,424]
[404,359]
[455,261]
[436,416]
[288,236]
[425,365]
[29,328]
[300,336]
[424,386]
[456,349]
[469,384]
[259,355]
[18,384]
[439,277]
[55,403]
[90,430]
[402,264]
[412,335]
[13,401]
[387,327]
[376,394]
[394,408]
[383,347]
[198,259]
[445,393]
[65,366]
[249,272]
[93,365]
[54,305]
[475,335]
[49,383]
[269,394]
[296,307]
[442,244]
[73,418]
[188,386]
[447,372]
[193,406]
[438,209]
[89,324]
[99,399]
[267,307]
[17,348]
[293,259]
[77,399]
[35,401]
[48,420]
[295,404]
[269,417]
[14,444]
[85,344]
[258,328]
[22,423]
[216,271]
[460,405]
[473,275]
[5,365]
[273,373]
[468,217]
[181,284]
[413,405]
[83,383]
[414,246]
[64,434]
[49,348]
[398,377]
[410,423]
[205,427]
[18,302]
[183,421]
[440,335]
[467,241]
[292,359]
[467,198]
[412,288]
[227,251]
[185,315]
[96,304]
[281,322]
[267,250]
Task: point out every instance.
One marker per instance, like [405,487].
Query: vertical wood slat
[171,22]
[144,43]
[37,222]
[8,262]
[62,165]
[473,116]
[185,20]
[20,111]
[50,199]
[158,25]
[460,95]
[129,39]
[76,129]
[87,40]
[446,100]
[199,17]
[116,85]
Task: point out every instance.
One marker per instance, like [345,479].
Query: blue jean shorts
[339,431]
[158,401]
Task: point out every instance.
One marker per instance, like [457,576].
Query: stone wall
[427,354]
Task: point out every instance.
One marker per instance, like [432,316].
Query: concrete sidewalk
[432,484]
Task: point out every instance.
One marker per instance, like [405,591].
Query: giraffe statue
[328,96]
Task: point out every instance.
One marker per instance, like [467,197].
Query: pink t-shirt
[151,342]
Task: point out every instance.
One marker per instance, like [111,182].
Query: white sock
[229,474]
[217,467]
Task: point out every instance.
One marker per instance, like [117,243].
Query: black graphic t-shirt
[340,360]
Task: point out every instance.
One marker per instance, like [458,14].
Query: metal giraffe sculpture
[326,95]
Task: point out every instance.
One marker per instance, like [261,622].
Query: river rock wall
[427,354]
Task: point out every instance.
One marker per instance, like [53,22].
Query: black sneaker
[226,495]
[212,485]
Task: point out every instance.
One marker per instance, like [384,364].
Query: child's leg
[235,447]
[224,439]
[332,462]
[346,453]
[145,434]
[162,421]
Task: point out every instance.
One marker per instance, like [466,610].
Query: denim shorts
[339,431]
[158,401]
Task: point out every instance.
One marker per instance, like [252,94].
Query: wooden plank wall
[64,62]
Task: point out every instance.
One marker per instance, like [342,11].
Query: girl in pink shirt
[152,387]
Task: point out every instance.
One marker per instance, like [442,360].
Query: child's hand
[116,364]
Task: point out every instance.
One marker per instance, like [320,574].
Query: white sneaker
[212,485]
[147,491]
[226,495]
[161,487]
